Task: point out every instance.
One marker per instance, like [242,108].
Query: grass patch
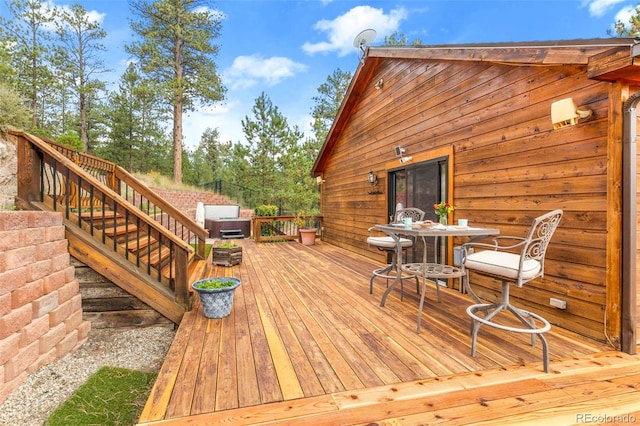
[207,249]
[111,396]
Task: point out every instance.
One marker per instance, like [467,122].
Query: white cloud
[624,15]
[247,71]
[600,7]
[91,15]
[342,30]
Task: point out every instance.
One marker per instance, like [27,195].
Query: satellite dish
[363,39]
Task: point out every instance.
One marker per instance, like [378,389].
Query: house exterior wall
[40,303]
[637,241]
[510,166]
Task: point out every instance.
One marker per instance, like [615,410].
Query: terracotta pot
[308,236]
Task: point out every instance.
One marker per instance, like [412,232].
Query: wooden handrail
[114,175]
[123,176]
[70,182]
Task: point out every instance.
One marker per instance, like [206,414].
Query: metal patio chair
[519,262]
[387,244]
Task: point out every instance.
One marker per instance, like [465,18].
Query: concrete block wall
[40,301]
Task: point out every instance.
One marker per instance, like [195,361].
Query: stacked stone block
[40,302]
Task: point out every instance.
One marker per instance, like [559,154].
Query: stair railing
[138,194]
[47,175]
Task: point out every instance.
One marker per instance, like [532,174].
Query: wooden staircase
[114,223]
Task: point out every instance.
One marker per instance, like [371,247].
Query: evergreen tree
[269,138]
[399,39]
[175,51]
[327,104]
[133,124]
[78,59]
[26,33]
[12,111]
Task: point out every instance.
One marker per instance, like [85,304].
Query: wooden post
[29,171]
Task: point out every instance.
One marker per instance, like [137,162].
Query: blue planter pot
[217,302]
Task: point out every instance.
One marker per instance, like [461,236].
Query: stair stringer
[122,273]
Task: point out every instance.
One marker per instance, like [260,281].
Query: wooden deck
[307,344]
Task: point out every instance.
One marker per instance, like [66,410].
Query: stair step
[157,256]
[99,214]
[120,230]
[226,234]
[143,243]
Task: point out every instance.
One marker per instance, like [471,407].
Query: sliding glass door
[420,185]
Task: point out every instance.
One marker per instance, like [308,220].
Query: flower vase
[444,220]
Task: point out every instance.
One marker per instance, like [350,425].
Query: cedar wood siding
[637,240]
[510,166]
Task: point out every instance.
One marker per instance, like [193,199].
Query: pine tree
[78,60]
[176,52]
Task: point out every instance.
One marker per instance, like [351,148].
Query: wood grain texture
[306,342]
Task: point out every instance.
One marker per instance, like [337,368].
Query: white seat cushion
[502,264]
[388,242]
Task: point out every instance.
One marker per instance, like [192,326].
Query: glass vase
[444,220]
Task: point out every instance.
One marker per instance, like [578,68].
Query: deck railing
[280,228]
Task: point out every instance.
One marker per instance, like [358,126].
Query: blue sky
[287,48]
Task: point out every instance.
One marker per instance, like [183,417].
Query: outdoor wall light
[564,113]
[379,84]
[373,181]
[319,180]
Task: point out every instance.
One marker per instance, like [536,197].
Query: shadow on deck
[307,344]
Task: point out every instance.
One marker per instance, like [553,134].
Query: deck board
[306,342]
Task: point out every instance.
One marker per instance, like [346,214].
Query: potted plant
[306,227]
[227,254]
[216,295]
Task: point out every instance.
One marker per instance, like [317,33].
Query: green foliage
[78,62]
[207,249]
[227,245]
[70,139]
[266,210]
[274,163]
[327,104]
[214,284]
[134,137]
[12,111]
[399,39]
[630,28]
[306,219]
[112,396]
[28,32]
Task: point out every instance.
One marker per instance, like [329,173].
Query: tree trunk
[177,140]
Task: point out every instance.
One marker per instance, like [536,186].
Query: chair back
[537,240]
[412,212]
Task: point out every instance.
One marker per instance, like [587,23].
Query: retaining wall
[40,303]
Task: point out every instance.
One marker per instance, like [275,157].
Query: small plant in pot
[216,295]
[227,253]
[307,227]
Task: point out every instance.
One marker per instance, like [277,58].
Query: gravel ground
[141,349]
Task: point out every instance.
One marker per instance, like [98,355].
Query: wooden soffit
[622,63]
